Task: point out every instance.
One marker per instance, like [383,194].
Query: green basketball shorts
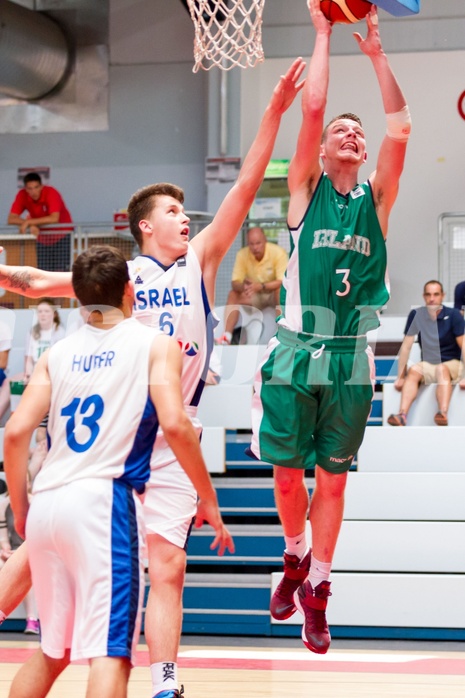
[312,398]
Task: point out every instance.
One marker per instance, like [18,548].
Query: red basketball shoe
[282,604]
[312,604]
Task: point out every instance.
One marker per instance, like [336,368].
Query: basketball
[345,11]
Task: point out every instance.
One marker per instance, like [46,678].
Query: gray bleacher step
[250,482]
[255,581]
[256,544]
[246,482]
[248,495]
[236,457]
[243,530]
[245,496]
[245,596]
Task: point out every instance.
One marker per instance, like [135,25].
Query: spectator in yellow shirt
[256,279]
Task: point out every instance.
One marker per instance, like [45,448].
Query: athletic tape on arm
[399,125]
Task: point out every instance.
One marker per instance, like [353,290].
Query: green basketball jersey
[335,280]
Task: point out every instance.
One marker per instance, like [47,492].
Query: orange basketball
[345,11]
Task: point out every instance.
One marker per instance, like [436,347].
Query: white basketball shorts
[85,542]
[170,502]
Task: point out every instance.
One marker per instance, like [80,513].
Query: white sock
[164,676]
[228,336]
[319,571]
[296,545]
[2,617]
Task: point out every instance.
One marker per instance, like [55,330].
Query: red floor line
[440,667]
[429,666]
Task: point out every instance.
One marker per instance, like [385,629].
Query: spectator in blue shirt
[440,331]
[459,296]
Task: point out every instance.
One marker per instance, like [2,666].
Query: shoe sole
[316,650]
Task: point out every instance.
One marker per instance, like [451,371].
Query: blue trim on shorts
[124,571]
[137,464]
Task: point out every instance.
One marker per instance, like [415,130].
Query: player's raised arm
[214,241]
[35,283]
[385,179]
[305,167]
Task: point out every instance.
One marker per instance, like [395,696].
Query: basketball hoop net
[227,36]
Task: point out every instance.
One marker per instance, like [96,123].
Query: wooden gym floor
[212,667]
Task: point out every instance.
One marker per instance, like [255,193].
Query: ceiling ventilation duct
[34,53]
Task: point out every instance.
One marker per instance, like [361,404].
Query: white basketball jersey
[102,422]
[174,300]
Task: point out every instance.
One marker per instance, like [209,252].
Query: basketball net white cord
[227,36]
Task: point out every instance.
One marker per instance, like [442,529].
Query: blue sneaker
[172,693]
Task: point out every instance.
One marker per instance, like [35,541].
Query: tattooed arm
[35,283]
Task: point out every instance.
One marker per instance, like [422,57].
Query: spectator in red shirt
[44,206]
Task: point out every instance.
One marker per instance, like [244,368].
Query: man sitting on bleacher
[256,279]
[440,331]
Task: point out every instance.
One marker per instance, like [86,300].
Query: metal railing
[82,233]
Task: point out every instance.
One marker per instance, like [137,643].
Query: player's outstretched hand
[320,22]
[288,86]
[371,46]
[207,510]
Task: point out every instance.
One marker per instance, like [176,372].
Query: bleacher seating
[425,406]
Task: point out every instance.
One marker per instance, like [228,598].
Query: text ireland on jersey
[328,238]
